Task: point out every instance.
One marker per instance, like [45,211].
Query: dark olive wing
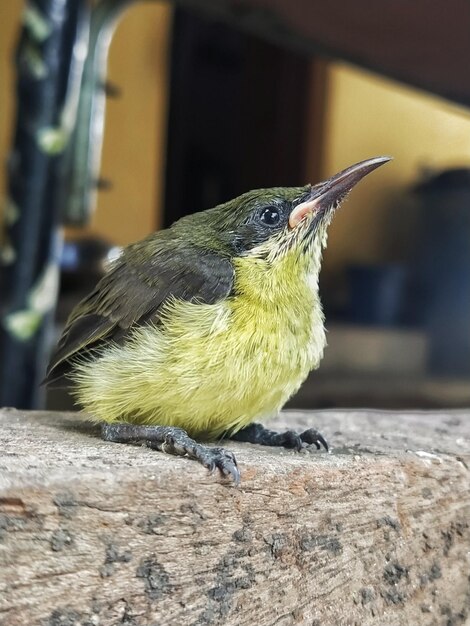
[132,294]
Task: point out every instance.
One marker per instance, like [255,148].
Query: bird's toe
[312,436]
[226,462]
[291,439]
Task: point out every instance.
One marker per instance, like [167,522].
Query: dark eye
[270,216]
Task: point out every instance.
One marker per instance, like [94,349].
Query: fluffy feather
[212,368]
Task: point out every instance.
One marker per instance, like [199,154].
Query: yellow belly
[209,368]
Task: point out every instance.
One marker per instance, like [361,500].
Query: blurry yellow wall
[369,116]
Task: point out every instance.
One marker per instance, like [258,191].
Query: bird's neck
[287,282]
[277,308]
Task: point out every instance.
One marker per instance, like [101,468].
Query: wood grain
[377,532]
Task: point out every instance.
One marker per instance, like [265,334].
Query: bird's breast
[210,368]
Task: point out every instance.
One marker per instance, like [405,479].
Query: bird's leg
[174,441]
[257,433]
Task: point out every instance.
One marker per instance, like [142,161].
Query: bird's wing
[132,294]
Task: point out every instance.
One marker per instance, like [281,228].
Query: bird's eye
[270,215]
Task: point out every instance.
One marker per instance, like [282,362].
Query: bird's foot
[175,441]
[257,433]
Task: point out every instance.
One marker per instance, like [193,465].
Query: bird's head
[269,223]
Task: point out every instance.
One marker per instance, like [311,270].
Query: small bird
[201,329]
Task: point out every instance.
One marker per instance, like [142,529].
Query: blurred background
[206,100]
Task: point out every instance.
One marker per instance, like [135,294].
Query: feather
[133,292]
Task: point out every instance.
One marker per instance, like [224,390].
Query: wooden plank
[377,532]
[424,44]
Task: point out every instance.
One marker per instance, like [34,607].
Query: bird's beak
[329,194]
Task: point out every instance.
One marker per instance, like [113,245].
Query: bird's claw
[298,441]
[257,433]
[178,443]
[225,462]
[312,436]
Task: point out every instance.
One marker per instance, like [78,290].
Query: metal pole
[83,158]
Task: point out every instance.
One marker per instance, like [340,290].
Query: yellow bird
[202,329]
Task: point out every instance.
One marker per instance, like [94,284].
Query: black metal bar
[45,58]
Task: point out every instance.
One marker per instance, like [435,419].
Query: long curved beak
[329,194]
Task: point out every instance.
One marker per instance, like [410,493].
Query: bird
[202,329]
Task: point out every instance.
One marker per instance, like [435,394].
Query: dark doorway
[238,115]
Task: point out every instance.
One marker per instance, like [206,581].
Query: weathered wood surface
[377,532]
